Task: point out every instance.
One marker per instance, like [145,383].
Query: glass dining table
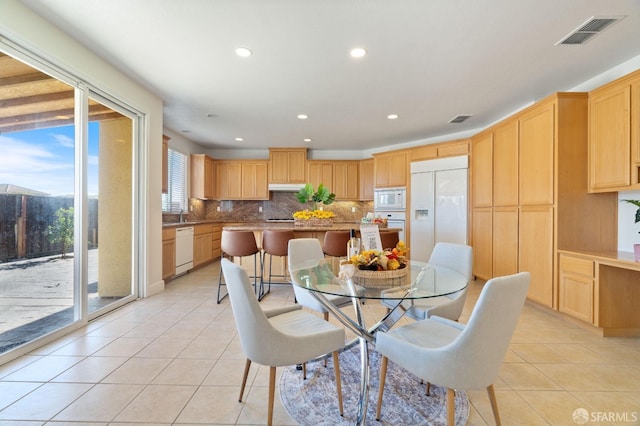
[419,281]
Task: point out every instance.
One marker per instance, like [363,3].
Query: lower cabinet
[215,241]
[535,251]
[202,244]
[482,243]
[168,253]
[576,281]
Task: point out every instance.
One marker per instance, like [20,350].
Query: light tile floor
[174,358]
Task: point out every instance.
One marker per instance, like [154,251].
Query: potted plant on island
[636,247]
[313,216]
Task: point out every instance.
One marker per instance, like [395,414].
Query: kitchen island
[291,226]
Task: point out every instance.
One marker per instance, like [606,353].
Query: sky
[43,159]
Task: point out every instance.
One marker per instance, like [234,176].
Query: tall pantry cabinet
[529,194]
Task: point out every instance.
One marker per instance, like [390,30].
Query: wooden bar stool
[389,239]
[335,243]
[275,243]
[240,244]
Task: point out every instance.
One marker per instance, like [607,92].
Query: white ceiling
[428,61]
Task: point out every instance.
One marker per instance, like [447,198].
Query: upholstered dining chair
[278,337]
[303,251]
[454,355]
[455,257]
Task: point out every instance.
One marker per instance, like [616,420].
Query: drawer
[202,229]
[577,266]
[168,234]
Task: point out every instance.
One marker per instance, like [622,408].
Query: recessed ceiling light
[211,115]
[243,52]
[392,116]
[307,140]
[358,52]
[303,116]
[239,139]
[185,131]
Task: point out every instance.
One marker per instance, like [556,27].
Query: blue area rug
[314,401]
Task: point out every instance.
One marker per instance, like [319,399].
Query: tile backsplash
[280,206]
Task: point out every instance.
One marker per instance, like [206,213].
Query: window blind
[176,197]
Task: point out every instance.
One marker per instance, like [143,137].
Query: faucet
[181,216]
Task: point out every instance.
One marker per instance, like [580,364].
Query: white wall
[628,231]
[21,26]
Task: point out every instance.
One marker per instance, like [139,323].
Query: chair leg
[304,371]
[494,404]
[272,390]
[220,283]
[383,377]
[247,365]
[451,407]
[428,388]
[336,367]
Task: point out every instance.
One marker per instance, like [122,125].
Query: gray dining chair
[454,355]
[278,337]
[304,251]
[455,257]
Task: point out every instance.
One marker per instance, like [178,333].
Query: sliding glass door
[67,203]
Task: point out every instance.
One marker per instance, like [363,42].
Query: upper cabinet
[202,177]
[536,159]
[366,180]
[439,150]
[614,139]
[241,180]
[341,177]
[390,169]
[165,164]
[287,165]
[482,169]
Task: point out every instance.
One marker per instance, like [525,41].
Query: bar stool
[335,243]
[275,243]
[240,244]
[389,239]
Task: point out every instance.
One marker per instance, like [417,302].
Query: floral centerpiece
[386,260]
[313,216]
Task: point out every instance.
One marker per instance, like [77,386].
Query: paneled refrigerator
[439,197]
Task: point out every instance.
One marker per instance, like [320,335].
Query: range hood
[285,187]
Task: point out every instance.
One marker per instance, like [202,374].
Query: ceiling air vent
[585,32]
[459,118]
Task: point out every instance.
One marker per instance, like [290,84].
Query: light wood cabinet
[254,180]
[505,165]
[536,251]
[536,163]
[165,164]
[216,234]
[320,172]
[287,165]
[341,177]
[228,180]
[390,169]
[505,241]
[614,145]
[576,287]
[241,180]
[439,150]
[366,180]
[168,253]
[202,244]
[482,242]
[482,170]
[202,177]
[346,184]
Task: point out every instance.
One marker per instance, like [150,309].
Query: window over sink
[175,200]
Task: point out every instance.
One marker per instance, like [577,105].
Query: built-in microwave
[390,199]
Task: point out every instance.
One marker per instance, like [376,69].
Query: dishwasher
[184,249]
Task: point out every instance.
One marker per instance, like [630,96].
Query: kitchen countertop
[259,226]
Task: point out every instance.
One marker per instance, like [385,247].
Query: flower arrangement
[387,260]
[315,214]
